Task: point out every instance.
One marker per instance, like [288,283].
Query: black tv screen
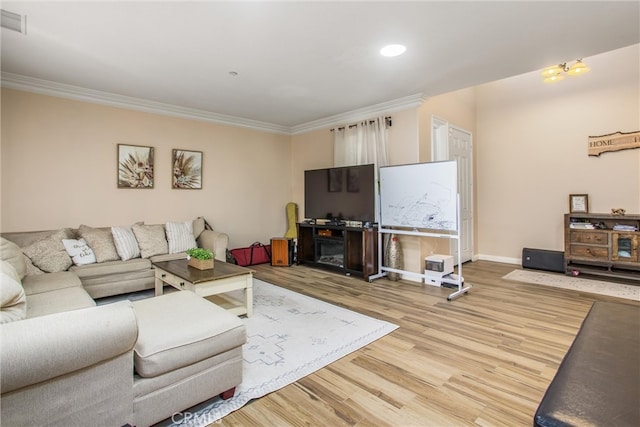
[344,193]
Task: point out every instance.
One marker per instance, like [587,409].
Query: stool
[188,351]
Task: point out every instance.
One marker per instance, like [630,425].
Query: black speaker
[542,259]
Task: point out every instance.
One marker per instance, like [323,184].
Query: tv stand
[348,250]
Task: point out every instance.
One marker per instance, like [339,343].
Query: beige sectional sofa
[112,273]
[66,361]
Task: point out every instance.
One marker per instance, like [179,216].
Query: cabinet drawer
[593,237]
[170,279]
[593,252]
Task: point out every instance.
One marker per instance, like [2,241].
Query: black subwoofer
[542,259]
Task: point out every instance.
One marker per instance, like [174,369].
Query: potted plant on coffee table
[200,258]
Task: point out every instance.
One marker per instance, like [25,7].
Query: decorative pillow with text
[79,251]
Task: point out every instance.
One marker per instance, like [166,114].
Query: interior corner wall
[59,169]
[532,152]
[458,108]
[311,150]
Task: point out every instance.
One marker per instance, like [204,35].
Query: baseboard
[504,260]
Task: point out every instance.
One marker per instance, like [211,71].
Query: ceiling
[298,64]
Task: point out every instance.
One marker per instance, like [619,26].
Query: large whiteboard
[420,195]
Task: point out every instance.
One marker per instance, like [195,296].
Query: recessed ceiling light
[393,50]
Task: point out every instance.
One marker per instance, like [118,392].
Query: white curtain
[360,144]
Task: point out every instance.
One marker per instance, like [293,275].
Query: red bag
[257,253]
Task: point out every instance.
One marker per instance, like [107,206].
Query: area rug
[289,336]
[592,286]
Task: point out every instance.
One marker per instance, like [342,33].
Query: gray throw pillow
[151,239]
[48,254]
[101,243]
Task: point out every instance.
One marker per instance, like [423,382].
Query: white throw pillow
[79,251]
[180,236]
[13,302]
[126,243]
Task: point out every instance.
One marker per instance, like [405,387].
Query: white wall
[59,169]
[532,152]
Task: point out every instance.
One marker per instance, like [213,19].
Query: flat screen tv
[340,194]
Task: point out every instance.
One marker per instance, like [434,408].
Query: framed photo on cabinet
[578,203]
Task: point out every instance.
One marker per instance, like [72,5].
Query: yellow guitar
[292,219]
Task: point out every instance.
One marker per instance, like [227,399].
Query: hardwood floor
[484,359]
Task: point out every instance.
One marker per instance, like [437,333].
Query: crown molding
[46,87]
[411,101]
[61,90]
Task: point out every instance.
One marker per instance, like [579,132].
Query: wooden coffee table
[213,285]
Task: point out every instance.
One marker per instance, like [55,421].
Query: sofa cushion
[126,243]
[179,329]
[180,236]
[57,301]
[151,239]
[79,251]
[48,282]
[13,302]
[111,267]
[100,241]
[12,253]
[48,254]
[70,342]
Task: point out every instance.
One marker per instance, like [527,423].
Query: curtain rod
[387,121]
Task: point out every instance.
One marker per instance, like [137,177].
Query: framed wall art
[187,169]
[135,166]
[578,203]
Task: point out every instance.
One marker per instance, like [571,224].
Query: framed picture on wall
[578,203]
[135,166]
[187,170]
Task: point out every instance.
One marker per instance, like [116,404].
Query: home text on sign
[613,142]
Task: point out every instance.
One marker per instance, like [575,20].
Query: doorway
[450,142]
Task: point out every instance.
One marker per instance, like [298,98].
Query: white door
[453,143]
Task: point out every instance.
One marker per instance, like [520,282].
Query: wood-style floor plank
[484,359]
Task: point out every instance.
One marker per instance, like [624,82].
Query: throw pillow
[79,251]
[31,269]
[13,302]
[198,227]
[126,243]
[13,254]
[180,236]
[151,239]
[48,254]
[100,241]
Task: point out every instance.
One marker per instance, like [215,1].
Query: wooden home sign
[613,142]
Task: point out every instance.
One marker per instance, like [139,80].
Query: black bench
[598,381]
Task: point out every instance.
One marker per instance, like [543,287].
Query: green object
[200,253]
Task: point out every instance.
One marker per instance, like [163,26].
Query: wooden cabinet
[602,244]
[349,250]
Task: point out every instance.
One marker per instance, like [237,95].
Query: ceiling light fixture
[13,21]
[393,50]
[554,73]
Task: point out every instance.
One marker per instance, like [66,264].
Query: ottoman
[188,351]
